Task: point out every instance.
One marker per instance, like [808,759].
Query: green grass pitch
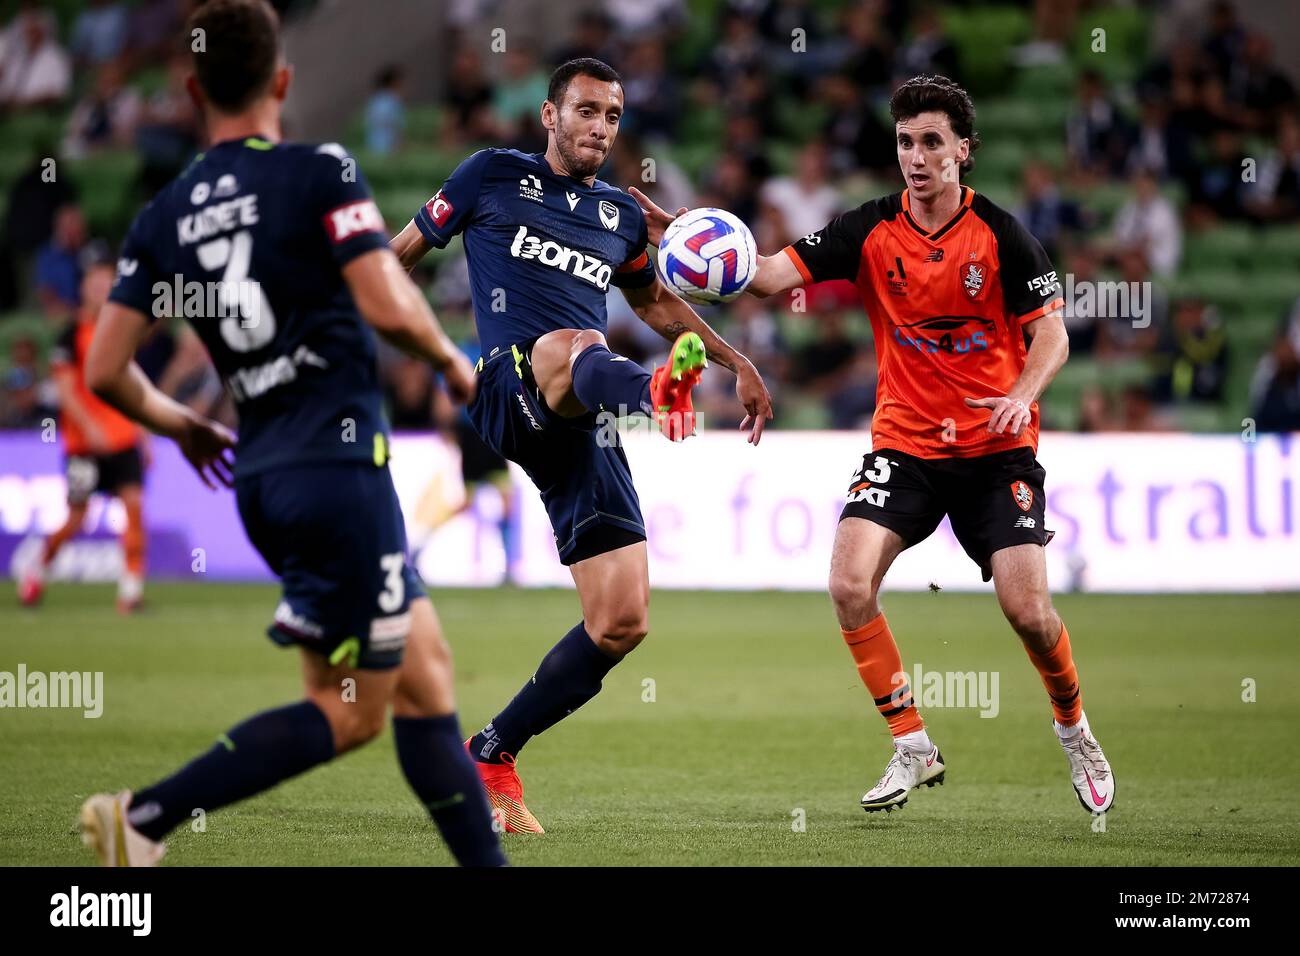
[758,721]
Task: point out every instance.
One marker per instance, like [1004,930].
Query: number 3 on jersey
[247,321]
[390,599]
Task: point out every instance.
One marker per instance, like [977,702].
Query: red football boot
[505,793]
[671,384]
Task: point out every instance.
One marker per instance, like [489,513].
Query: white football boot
[106,830]
[1094,784]
[906,770]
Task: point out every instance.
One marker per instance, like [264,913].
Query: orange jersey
[946,309]
[69,357]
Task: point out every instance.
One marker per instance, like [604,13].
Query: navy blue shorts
[586,484]
[334,535]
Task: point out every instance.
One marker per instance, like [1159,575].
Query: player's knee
[1033,620]
[360,726]
[583,341]
[621,631]
[852,592]
[351,722]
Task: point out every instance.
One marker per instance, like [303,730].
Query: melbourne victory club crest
[973,276]
[609,215]
[1023,494]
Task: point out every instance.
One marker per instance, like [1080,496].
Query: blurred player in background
[295,248]
[104,452]
[481,468]
[952,285]
[544,240]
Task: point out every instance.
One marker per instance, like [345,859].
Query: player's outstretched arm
[409,246]
[111,373]
[1048,349]
[670,316]
[776,274]
[389,301]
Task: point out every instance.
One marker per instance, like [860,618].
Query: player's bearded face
[582,154]
[586,125]
[930,154]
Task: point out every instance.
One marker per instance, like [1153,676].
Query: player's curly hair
[239,51]
[938,94]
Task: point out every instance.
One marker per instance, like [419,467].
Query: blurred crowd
[1180,130]
[710,117]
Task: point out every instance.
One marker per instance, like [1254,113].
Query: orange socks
[881,669]
[133,542]
[1056,667]
[55,542]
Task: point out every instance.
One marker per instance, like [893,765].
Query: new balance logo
[936,255]
[1024,521]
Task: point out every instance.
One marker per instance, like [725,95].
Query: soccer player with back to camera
[952,285]
[545,239]
[292,241]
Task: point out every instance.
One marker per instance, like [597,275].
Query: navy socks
[568,676]
[603,380]
[254,756]
[433,758]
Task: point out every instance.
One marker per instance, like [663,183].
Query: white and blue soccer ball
[708,256]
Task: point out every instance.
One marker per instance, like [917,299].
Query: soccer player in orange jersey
[953,285]
[102,448]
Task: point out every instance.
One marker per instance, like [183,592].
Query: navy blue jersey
[542,248]
[248,245]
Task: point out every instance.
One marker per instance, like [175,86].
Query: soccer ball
[708,256]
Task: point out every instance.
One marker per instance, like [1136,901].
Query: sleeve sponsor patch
[439,209]
[352,219]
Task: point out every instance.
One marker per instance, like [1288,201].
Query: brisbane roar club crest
[974,276]
[1023,495]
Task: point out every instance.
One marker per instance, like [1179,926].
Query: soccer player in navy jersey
[544,240]
[287,241]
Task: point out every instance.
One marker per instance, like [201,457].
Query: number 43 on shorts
[866,482]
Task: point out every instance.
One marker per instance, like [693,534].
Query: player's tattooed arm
[1048,349]
[670,316]
[409,245]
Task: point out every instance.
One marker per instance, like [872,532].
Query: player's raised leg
[426,733]
[1020,577]
[614,588]
[862,554]
[577,373]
